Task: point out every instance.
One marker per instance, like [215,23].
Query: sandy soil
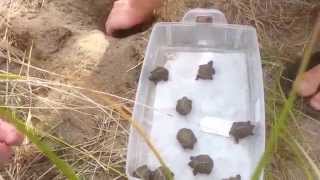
[68,39]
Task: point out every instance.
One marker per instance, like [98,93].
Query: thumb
[9,134]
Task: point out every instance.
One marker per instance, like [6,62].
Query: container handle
[204,16]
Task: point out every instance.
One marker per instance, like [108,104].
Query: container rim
[229,26]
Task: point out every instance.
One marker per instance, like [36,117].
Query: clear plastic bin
[208,34]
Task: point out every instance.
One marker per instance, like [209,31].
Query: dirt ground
[68,42]
[68,39]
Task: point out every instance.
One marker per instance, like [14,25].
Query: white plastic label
[214,125]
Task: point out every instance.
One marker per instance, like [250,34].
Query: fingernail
[315,104]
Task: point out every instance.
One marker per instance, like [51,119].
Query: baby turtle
[237,177]
[159,74]
[241,130]
[206,71]
[143,172]
[186,138]
[160,174]
[184,106]
[202,164]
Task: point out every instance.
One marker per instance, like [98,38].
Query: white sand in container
[226,97]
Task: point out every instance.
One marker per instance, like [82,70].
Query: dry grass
[283,28]
[102,154]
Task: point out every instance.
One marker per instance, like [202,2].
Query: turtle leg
[195,172]
[237,140]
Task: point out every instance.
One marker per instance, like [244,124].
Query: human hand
[9,137]
[130,14]
[309,86]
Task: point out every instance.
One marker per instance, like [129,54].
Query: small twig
[313,165]
[45,173]
[135,66]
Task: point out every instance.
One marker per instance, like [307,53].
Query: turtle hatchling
[237,177]
[159,74]
[160,174]
[184,106]
[186,138]
[241,130]
[143,172]
[202,164]
[206,71]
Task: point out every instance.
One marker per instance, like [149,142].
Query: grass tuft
[281,122]
[34,136]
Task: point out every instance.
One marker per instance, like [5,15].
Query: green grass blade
[277,128]
[63,166]
[299,151]
[280,122]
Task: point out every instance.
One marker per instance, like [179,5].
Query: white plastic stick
[215,125]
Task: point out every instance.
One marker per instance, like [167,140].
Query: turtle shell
[186,138]
[237,177]
[159,174]
[241,130]
[184,106]
[202,164]
[159,74]
[143,172]
[206,71]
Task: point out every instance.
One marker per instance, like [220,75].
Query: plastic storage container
[235,94]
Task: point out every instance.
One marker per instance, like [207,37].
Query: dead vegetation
[87,132]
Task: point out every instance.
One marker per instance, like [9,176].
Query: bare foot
[9,136]
[309,86]
[127,14]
